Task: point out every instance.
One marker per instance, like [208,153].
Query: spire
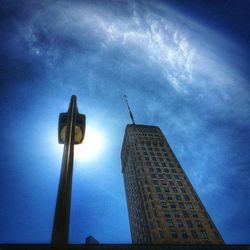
[130,113]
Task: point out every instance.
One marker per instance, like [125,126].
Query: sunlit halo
[91,147]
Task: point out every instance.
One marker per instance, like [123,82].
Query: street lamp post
[71,129]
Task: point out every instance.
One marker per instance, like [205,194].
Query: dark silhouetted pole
[60,234]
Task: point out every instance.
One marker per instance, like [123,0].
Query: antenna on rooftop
[130,112]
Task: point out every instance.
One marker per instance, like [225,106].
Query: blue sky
[184,69]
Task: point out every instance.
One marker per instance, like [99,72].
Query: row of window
[184,235]
[179,222]
[181,205]
[167,189]
[143,141]
[154,152]
[150,149]
[157,170]
[176,213]
[169,197]
[162,176]
[147,134]
[154,159]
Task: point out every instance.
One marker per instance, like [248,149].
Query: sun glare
[91,147]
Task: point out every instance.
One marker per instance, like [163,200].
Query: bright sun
[91,147]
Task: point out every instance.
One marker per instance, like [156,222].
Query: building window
[163,183]
[161,234]
[210,224]
[186,197]
[166,170]
[175,190]
[179,223]
[190,205]
[204,235]
[166,213]
[178,197]
[194,235]
[169,176]
[181,205]
[156,215]
[156,182]
[216,235]
[167,190]
[154,236]
[170,223]
[179,183]
[173,170]
[171,183]
[158,189]
[185,214]
[153,176]
[194,214]
[161,176]
[169,197]
[151,170]
[161,197]
[172,205]
[189,223]
[176,213]
[164,204]
[158,170]
[198,223]
[183,190]
[174,235]
[184,235]
[149,215]
[168,160]
[177,177]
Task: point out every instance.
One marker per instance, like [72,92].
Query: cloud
[188,56]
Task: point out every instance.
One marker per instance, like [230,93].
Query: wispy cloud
[188,55]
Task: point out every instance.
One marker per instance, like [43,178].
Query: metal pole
[60,234]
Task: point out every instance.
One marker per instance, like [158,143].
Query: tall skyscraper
[163,206]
